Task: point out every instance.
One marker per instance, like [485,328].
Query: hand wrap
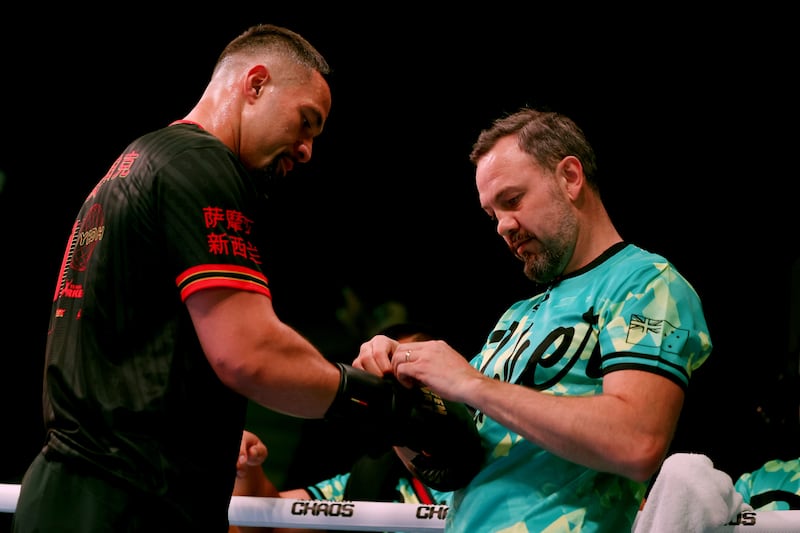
[441,443]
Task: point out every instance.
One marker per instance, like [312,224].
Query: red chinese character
[238,222]
[212,215]
[127,162]
[217,243]
[238,246]
[252,252]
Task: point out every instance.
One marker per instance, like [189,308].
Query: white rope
[766,521]
[311,514]
[409,517]
[9,494]
[321,514]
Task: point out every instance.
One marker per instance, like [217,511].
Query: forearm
[626,429]
[286,376]
[259,356]
[605,432]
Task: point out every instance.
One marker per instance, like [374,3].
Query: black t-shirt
[128,390]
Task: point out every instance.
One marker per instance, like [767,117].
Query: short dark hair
[278,39]
[547,136]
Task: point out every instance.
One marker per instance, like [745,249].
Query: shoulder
[184,153]
[179,138]
[633,265]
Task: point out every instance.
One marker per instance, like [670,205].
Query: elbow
[233,372]
[644,471]
[642,463]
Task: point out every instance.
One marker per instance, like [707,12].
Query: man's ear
[257,78]
[570,170]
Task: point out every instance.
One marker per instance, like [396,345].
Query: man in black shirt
[162,320]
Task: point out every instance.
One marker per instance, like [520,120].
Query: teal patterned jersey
[629,309]
[330,489]
[773,487]
[333,490]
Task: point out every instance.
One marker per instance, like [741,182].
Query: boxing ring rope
[311,514]
[407,517]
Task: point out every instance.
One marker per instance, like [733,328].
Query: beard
[557,249]
[548,265]
[269,178]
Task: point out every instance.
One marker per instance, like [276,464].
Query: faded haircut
[275,39]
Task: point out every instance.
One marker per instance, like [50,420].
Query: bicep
[656,401]
[230,322]
[260,357]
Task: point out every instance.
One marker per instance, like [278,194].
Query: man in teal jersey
[578,388]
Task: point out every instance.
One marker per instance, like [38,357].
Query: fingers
[252,450]
[374,356]
[249,457]
[403,360]
[254,455]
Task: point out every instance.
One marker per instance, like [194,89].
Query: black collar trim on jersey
[610,251]
[192,122]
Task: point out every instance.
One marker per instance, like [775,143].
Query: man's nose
[506,224]
[303,151]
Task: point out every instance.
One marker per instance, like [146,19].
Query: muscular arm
[625,430]
[257,355]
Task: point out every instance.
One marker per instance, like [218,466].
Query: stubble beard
[556,252]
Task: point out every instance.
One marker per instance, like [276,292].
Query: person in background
[578,388]
[689,494]
[379,475]
[162,320]
[775,485]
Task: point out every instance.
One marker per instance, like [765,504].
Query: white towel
[689,495]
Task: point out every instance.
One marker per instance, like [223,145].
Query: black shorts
[61,497]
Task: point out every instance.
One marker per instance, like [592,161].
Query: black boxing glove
[437,439]
[362,397]
[364,405]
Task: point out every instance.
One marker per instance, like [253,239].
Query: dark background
[693,116]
